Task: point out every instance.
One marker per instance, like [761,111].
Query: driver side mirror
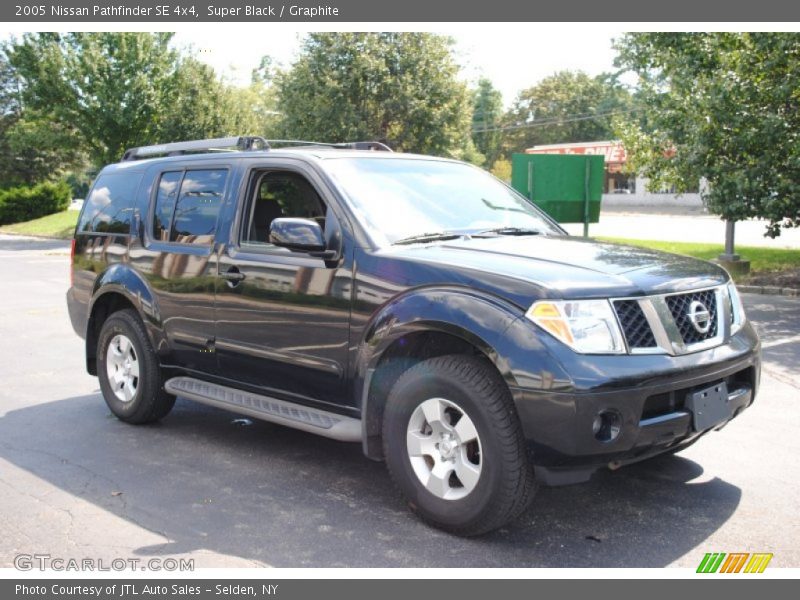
[303,235]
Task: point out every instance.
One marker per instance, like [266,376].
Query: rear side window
[165,204]
[187,205]
[109,207]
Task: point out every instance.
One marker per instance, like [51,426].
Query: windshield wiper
[430,237]
[511,231]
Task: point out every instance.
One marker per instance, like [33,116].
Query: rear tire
[454,445]
[128,370]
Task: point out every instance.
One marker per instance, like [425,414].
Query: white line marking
[780,342]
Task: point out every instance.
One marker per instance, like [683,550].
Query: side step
[312,420]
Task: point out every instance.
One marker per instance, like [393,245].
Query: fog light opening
[607,426]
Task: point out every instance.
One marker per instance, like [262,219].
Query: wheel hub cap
[447,447]
[122,368]
[444,449]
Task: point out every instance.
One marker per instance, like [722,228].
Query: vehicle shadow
[289,499]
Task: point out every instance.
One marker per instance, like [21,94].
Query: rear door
[177,257]
[283,324]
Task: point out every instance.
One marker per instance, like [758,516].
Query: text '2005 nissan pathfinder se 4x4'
[414,304]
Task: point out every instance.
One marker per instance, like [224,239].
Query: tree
[112,91]
[398,87]
[260,99]
[32,148]
[266,71]
[487,116]
[9,88]
[110,87]
[724,107]
[502,169]
[569,106]
[203,106]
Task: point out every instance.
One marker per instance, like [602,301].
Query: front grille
[634,324]
[680,304]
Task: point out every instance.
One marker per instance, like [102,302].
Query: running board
[312,420]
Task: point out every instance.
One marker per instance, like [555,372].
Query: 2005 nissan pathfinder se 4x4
[411,303]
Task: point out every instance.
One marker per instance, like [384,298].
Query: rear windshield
[109,207]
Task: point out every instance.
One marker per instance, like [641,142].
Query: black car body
[315,334]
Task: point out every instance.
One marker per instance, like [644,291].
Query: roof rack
[238,144]
[228,144]
[365,145]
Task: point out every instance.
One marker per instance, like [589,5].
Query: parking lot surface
[77,483]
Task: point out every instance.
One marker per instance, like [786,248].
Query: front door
[283,316]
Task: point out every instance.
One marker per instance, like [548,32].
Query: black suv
[414,304]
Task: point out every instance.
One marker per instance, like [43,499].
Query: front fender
[494,326]
[476,318]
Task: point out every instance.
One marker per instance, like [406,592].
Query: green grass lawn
[58,225]
[762,260]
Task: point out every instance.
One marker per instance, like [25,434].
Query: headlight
[586,326]
[738,317]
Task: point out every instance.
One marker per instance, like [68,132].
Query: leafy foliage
[111,91]
[401,88]
[724,107]
[24,203]
[32,147]
[110,87]
[487,117]
[568,106]
[502,170]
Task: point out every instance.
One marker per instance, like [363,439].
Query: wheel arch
[421,325]
[117,288]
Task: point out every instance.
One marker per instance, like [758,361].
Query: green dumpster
[566,187]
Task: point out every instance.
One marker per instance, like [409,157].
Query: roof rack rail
[228,144]
[376,146]
[372,145]
[241,144]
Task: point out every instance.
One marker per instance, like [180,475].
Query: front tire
[454,445]
[128,370]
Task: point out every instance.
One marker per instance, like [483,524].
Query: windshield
[399,199]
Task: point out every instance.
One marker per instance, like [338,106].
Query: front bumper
[650,395]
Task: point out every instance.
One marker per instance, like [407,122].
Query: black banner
[395,589]
[359,11]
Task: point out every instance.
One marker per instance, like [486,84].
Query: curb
[768,290]
[36,237]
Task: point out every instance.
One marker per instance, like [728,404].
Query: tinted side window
[199,202]
[281,194]
[109,207]
[165,204]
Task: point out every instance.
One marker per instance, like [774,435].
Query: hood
[563,266]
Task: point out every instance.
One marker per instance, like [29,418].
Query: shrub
[24,203]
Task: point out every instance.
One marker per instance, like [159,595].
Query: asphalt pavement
[77,483]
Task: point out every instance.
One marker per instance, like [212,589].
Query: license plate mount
[709,406]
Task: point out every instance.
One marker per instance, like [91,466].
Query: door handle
[232,276]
